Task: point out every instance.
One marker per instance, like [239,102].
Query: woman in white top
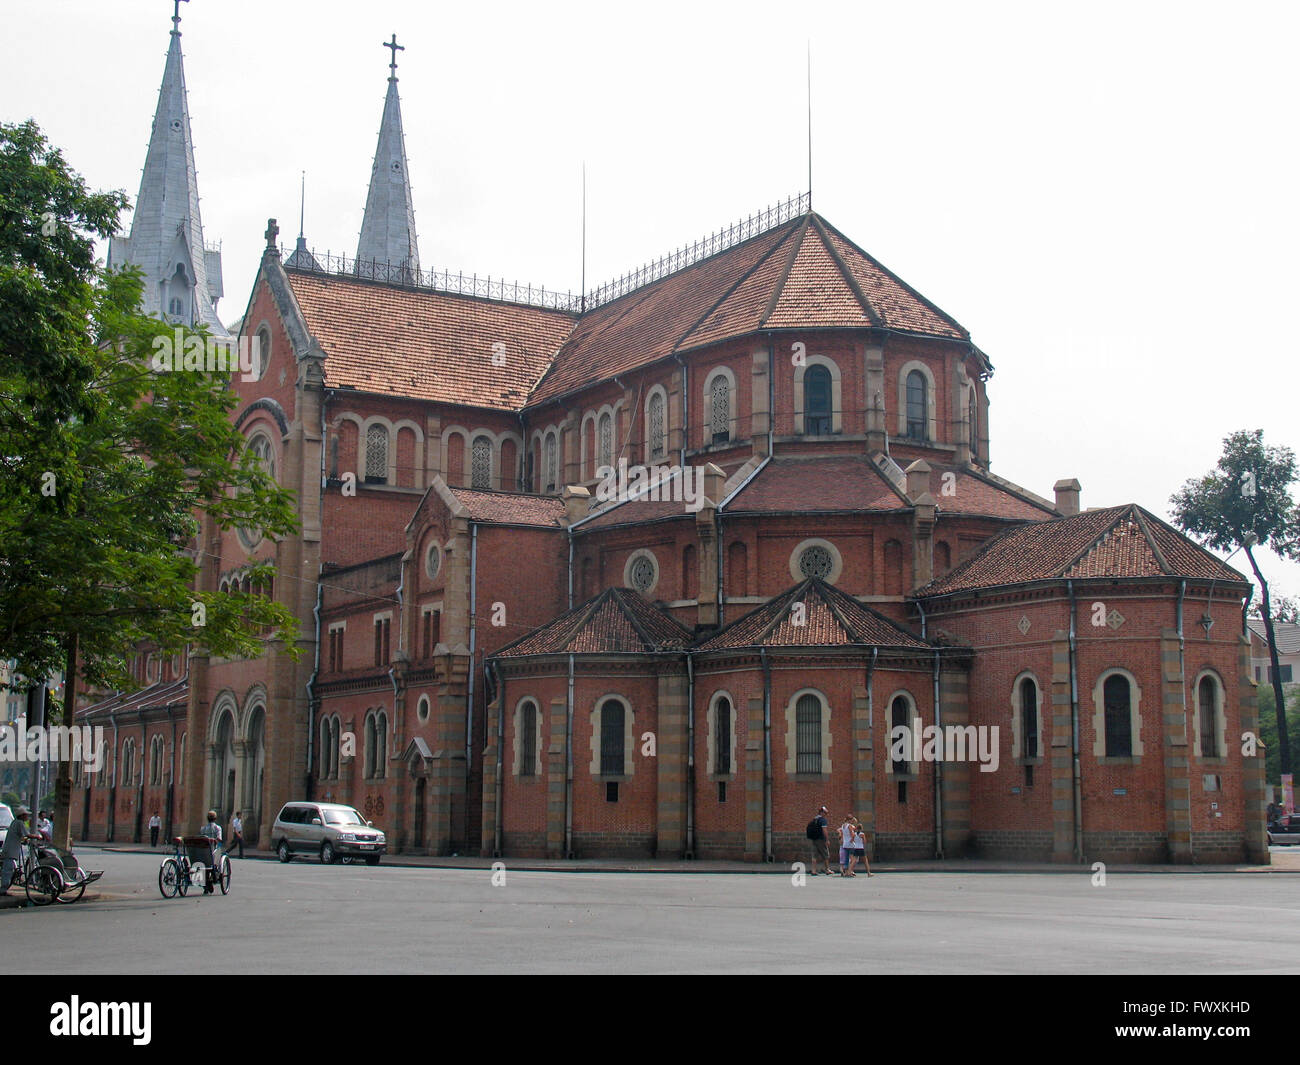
[846,847]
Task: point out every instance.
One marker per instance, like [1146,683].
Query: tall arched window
[722,737]
[156,761]
[1029,718]
[481,463]
[917,405]
[900,717]
[528,739]
[1117,698]
[720,409]
[549,462]
[128,763]
[377,454]
[612,728]
[1209,706]
[381,744]
[655,426]
[370,746]
[605,441]
[808,734]
[817,401]
[334,746]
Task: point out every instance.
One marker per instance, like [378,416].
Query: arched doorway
[254,772]
[221,784]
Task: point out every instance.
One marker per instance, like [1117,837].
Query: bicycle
[176,875]
[42,882]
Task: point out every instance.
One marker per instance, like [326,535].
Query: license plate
[368,846]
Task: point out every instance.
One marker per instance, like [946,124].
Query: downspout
[501,732]
[871,673]
[690,756]
[767,755]
[1182,680]
[469,698]
[686,412]
[315,671]
[938,768]
[1074,726]
[568,767]
[722,598]
[570,567]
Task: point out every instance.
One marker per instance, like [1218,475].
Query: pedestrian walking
[155,826]
[819,842]
[236,834]
[859,848]
[213,832]
[846,845]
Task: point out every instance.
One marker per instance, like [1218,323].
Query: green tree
[1242,504]
[1268,728]
[1285,608]
[106,477]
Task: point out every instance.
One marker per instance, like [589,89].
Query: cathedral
[660,569]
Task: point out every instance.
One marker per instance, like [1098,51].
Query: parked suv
[328,829]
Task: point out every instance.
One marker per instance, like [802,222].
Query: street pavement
[407,918]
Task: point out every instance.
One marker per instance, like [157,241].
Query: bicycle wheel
[170,879]
[225,875]
[184,873]
[73,892]
[43,885]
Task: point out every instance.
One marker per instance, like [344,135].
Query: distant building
[1287,635]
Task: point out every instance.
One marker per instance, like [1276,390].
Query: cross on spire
[394,47]
[176,15]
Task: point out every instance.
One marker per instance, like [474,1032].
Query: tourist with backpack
[819,842]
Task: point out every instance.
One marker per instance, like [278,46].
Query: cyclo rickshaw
[198,862]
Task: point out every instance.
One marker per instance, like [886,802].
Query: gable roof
[831,618]
[1287,634]
[161,695]
[820,483]
[1117,542]
[509,508]
[618,621]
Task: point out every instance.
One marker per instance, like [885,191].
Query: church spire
[388,228]
[182,277]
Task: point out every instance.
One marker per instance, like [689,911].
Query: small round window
[432,560]
[816,562]
[641,572]
[422,710]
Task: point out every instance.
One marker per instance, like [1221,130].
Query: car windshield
[343,817]
[6,817]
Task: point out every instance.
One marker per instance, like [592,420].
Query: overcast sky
[1104,194]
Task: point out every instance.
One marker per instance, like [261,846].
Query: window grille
[481,464]
[1119,723]
[816,561]
[1209,719]
[900,718]
[720,407]
[817,401]
[808,731]
[611,739]
[643,574]
[656,421]
[376,455]
[550,463]
[605,429]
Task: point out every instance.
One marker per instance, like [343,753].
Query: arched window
[549,462]
[1028,718]
[808,734]
[481,463]
[377,454]
[369,770]
[612,729]
[334,746]
[128,763]
[156,761]
[325,747]
[917,405]
[1208,699]
[722,737]
[605,441]
[900,717]
[381,744]
[528,739]
[263,354]
[720,409]
[817,401]
[1117,699]
[656,437]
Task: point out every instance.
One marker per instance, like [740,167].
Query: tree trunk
[1266,610]
[63,789]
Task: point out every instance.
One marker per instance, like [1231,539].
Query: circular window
[816,558]
[432,560]
[641,572]
[422,710]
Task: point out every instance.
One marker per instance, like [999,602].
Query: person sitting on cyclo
[213,831]
[11,855]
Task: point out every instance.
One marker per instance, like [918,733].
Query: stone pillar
[753,756]
[490,748]
[918,490]
[449,825]
[556,770]
[761,421]
[1062,760]
[874,400]
[706,533]
[1176,749]
[954,709]
[1254,782]
[673,779]
[863,784]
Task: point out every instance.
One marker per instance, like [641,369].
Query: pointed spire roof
[166,238]
[388,228]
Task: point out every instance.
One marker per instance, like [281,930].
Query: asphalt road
[324,920]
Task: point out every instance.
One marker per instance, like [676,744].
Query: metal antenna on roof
[302,206]
[583,290]
[809,64]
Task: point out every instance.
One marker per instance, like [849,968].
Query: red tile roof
[510,508]
[426,344]
[830,619]
[618,621]
[156,696]
[823,483]
[974,493]
[1117,542]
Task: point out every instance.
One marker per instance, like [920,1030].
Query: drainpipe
[311,692]
[938,769]
[690,757]
[871,706]
[1074,725]
[501,732]
[568,768]
[767,755]
[469,699]
[570,567]
[722,598]
[686,412]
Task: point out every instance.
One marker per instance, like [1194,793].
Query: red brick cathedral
[661,569]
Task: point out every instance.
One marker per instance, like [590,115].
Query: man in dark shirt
[819,849]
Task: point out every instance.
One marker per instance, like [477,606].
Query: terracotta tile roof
[642,507]
[618,621]
[161,695]
[831,619]
[510,508]
[425,344]
[824,483]
[975,494]
[1117,542]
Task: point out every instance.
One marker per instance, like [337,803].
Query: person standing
[859,849]
[212,831]
[846,846]
[155,825]
[819,842]
[45,827]
[12,851]
[236,834]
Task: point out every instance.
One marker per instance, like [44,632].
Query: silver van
[326,828]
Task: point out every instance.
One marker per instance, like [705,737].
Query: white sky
[1105,196]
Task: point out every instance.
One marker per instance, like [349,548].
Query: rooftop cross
[176,15]
[395,48]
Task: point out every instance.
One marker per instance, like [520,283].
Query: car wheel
[285,854]
[327,855]
[372,859]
